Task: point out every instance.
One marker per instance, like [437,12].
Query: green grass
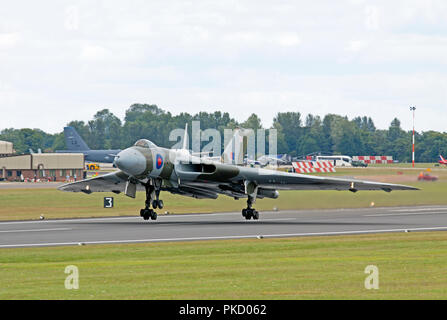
[411,266]
[409,165]
[19,204]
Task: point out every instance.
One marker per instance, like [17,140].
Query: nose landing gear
[153,188]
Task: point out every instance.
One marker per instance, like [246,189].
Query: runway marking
[67,220]
[194,215]
[117,218]
[225,237]
[403,214]
[279,219]
[82,220]
[418,209]
[34,230]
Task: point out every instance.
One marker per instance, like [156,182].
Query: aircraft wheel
[160,204]
[154,215]
[146,213]
[155,204]
[244,212]
[255,215]
[249,214]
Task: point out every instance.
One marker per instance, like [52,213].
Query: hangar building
[42,167]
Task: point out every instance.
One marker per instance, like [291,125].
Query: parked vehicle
[359,164]
[424,176]
[92,166]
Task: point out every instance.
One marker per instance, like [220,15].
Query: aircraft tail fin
[442,158]
[233,152]
[185,139]
[73,140]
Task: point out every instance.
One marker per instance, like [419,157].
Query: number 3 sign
[108,202]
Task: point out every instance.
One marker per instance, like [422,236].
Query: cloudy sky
[65,60]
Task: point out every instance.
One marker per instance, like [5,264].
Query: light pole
[413,109]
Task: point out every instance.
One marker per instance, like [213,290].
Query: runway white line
[118,218]
[35,230]
[403,214]
[66,220]
[285,235]
[417,210]
[278,219]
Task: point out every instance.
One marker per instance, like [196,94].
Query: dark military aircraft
[148,167]
[75,144]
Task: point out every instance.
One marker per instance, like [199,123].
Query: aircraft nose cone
[131,162]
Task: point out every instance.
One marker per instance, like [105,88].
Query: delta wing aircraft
[145,166]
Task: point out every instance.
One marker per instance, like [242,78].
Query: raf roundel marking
[158,161]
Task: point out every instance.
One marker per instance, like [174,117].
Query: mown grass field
[411,266]
[18,204]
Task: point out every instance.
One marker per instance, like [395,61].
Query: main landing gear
[152,198]
[250,212]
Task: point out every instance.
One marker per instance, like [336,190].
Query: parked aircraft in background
[75,144]
[442,161]
[269,159]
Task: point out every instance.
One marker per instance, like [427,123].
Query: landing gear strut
[152,197]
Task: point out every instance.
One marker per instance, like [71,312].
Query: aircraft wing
[293,181]
[233,178]
[116,182]
[110,182]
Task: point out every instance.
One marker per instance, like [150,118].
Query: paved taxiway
[221,226]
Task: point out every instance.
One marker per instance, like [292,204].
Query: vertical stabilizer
[73,140]
[234,152]
[186,139]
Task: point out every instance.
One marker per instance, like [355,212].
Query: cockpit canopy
[144,143]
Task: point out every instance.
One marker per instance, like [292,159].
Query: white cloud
[9,40]
[372,18]
[289,40]
[356,45]
[94,53]
[349,57]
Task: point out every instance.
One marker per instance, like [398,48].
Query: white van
[338,161]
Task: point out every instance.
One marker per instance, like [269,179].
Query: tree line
[297,135]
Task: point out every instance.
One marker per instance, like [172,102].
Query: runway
[194,227]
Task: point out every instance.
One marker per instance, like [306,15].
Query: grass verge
[21,204]
[411,266]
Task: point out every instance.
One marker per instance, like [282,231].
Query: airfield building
[42,167]
[6,148]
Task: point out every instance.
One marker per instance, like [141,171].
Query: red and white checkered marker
[373,159]
[313,166]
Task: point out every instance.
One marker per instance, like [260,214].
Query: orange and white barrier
[373,159]
[313,166]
